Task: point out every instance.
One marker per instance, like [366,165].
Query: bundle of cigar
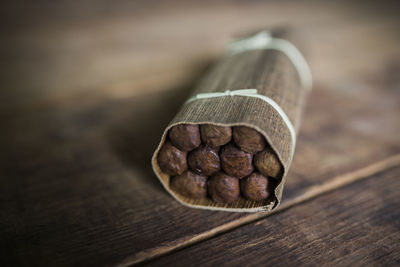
[219,162]
[231,144]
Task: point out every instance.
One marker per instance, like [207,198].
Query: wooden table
[88,88]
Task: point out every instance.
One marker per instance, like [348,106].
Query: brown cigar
[267,163]
[186,137]
[215,136]
[171,160]
[190,184]
[256,187]
[248,139]
[204,160]
[235,162]
[223,188]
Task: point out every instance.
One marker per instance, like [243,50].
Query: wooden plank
[78,185]
[65,49]
[356,225]
[333,184]
[76,181]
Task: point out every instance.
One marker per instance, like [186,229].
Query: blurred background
[57,49]
[87,88]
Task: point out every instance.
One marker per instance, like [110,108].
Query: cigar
[248,139]
[223,188]
[186,137]
[256,187]
[190,184]
[215,136]
[236,162]
[204,160]
[171,160]
[268,163]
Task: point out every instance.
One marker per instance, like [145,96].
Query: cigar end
[255,187]
[267,163]
[248,139]
[186,137]
[190,184]
[171,160]
[204,160]
[223,188]
[215,136]
[236,162]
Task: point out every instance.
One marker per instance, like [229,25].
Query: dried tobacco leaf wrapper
[261,83]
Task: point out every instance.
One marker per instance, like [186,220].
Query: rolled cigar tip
[236,162]
[190,184]
[215,136]
[186,137]
[267,163]
[248,139]
[255,187]
[171,160]
[204,160]
[223,188]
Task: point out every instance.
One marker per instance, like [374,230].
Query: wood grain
[315,191]
[86,93]
[357,225]
[79,187]
[67,49]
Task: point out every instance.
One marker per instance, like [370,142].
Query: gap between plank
[314,191]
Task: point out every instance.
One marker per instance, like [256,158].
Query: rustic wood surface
[358,225]
[90,87]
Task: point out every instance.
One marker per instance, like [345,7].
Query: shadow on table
[135,137]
